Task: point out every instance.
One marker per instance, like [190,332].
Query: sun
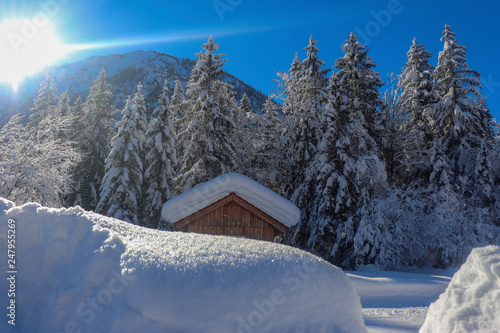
[26,47]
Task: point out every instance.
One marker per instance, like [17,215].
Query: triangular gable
[209,193]
[232,197]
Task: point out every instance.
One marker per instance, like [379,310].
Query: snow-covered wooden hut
[232,205]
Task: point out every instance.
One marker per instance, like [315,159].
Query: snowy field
[77,271]
[398,301]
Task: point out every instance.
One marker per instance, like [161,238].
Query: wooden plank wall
[232,220]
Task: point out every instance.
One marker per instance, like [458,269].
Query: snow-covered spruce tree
[245,105]
[287,91]
[94,137]
[160,152]
[49,116]
[178,95]
[349,173]
[34,170]
[462,176]
[45,103]
[244,137]
[360,82]
[462,124]
[139,105]
[416,102]
[305,89]
[207,149]
[63,104]
[178,106]
[121,186]
[391,133]
[267,153]
[74,198]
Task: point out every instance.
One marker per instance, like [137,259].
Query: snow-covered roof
[218,188]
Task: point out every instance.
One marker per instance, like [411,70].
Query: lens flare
[27,47]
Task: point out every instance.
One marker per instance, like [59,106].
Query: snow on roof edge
[218,188]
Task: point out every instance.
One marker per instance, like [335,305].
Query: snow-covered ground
[82,272]
[398,301]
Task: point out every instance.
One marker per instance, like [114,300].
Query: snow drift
[83,272]
[471,303]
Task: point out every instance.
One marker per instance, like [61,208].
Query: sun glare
[26,47]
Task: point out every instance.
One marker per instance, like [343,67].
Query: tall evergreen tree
[207,149]
[349,173]
[392,135]
[45,102]
[244,138]
[160,161]
[139,104]
[121,186]
[267,149]
[462,122]
[360,82]
[96,132]
[44,108]
[306,86]
[416,102]
[245,105]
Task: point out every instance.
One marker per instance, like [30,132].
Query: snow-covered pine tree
[416,102]
[244,138]
[63,104]
[391,133]
[349,173]
[74,198]
[360,82]
[267,152]
[77,116]
[461,121]
[139,104]
[178,95]
[45,103]
[245,105]
[121,186]
[47,118]
[306,88]
[314,80]
[160,152]
[94,136]
[207,149]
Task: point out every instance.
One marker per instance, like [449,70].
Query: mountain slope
[124,71]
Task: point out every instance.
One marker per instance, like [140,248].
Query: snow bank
[82,272]
[207,193]
[471,303]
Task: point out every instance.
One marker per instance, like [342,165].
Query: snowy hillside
[79,270]
[124,73]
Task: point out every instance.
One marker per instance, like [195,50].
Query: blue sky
[261,37]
